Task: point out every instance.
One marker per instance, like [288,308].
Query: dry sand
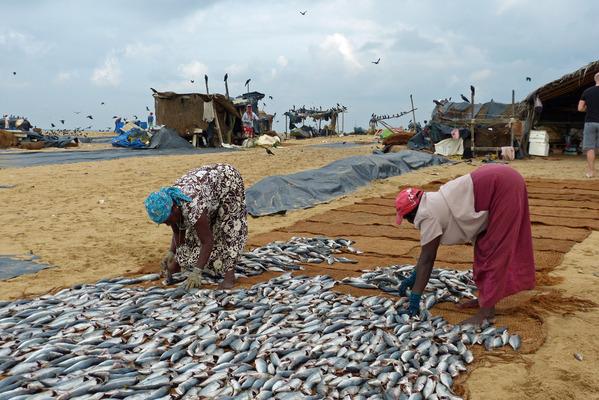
[55,211]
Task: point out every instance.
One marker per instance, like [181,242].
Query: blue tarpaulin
[276,194]
[130,138]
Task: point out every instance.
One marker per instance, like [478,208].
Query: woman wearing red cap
[488,207]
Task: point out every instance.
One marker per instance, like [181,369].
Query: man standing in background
[589,103]
[150,120]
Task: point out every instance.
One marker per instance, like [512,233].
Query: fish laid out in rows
[283,256]
[445,285]
[289,338]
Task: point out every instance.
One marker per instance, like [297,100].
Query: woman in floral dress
[206,210]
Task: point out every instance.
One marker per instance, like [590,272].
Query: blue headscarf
[159,204]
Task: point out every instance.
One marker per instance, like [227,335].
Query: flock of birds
[440,102]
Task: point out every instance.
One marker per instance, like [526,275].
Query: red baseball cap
[406,201]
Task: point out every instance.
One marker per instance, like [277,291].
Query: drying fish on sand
[443,285]
[289,338]
[282,256]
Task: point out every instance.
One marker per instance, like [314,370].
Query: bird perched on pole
[464,98]
[247,84]
[472,90]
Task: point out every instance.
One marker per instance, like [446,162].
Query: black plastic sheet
[277,194]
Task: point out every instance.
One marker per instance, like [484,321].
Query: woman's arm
[424,267]
[204,232]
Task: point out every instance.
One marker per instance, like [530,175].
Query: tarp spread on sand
[276,194]
[167,138]
[11,266]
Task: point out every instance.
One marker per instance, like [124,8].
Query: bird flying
[62,121]
[102,103]
[90,117]
[465,98]
[528,79]
[303,12]
[270,97]
[377,61]
[147,108]
[192,81]
[51,124]
[14,73]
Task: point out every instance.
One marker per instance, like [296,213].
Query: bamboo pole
[413,113]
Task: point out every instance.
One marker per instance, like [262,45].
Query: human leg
[590,142]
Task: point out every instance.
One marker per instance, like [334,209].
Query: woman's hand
[194,279]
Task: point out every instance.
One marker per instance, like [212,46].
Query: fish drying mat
[563,213]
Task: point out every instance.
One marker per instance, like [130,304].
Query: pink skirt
[503,256]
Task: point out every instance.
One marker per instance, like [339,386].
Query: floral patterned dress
[217,190]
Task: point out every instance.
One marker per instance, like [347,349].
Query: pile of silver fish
[283,256]
[289,338]
[443,285]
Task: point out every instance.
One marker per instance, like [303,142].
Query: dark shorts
[590,136]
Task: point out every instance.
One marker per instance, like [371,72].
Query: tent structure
[554,106]
[492,123]
[188,113]
[297,116]
[264,123]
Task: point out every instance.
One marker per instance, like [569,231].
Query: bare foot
[228,281]
[469,304]
[482,315]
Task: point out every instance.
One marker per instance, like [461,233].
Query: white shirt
[247,120]
[450,213]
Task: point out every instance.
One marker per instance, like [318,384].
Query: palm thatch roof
[568,83]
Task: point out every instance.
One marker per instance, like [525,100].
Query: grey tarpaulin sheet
[10,159]
[276,194]
[11,266]
[341,144]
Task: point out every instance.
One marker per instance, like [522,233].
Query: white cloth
[247,120]
[208,111]
[450,147]
[450,213]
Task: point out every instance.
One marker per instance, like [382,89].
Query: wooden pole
[285,123]
[343,121]
[413,114]
[473,146]
[218,130]
[513,119]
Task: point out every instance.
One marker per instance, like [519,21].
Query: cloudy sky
[72,55]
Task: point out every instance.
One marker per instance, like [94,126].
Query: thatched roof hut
[554,105]
[185,112]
